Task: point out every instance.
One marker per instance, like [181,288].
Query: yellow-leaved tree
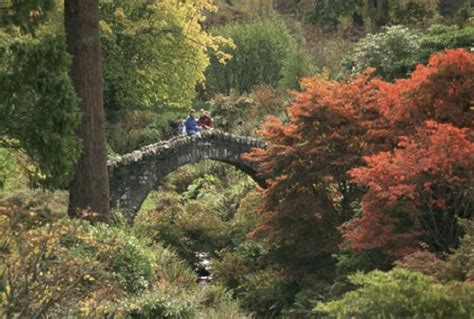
[155,52]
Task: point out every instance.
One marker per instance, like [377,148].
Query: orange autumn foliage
[415,192]
[311,193]
[441,91]
[416,136]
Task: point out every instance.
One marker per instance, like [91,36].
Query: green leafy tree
[380,13]
[261,52]
[38,107]
[26,14]
[376,13]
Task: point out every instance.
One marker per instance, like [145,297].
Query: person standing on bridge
[205,121]
[190,124]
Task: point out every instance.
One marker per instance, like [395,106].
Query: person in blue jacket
[191,124]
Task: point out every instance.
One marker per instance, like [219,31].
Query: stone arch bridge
[133,176]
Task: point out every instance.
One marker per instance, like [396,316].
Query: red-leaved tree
[416,192]
[416,136]
[311,193]
[442,91]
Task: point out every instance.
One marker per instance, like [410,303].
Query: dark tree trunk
[89,189]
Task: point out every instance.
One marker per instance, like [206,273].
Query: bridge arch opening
[197,210]
[196,181]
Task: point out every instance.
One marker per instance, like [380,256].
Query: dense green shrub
[396,51]
[219,304]
[369,15]
[304,300]
[159,223]
[402,294]
[349,261]
[266,293]
[232,265]
[440,37]
[162,302]
[52,266]
[233,113]
[456,266]
[133,263]
[12,176]
[245,255]
[230,268]
[462,260]
[261,52]
[245,218]
[189,225]
[47,206]
[391,53]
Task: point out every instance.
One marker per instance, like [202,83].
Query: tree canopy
[155,52]
[38,105]
[262,49]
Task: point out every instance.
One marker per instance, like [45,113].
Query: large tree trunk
[89,189]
